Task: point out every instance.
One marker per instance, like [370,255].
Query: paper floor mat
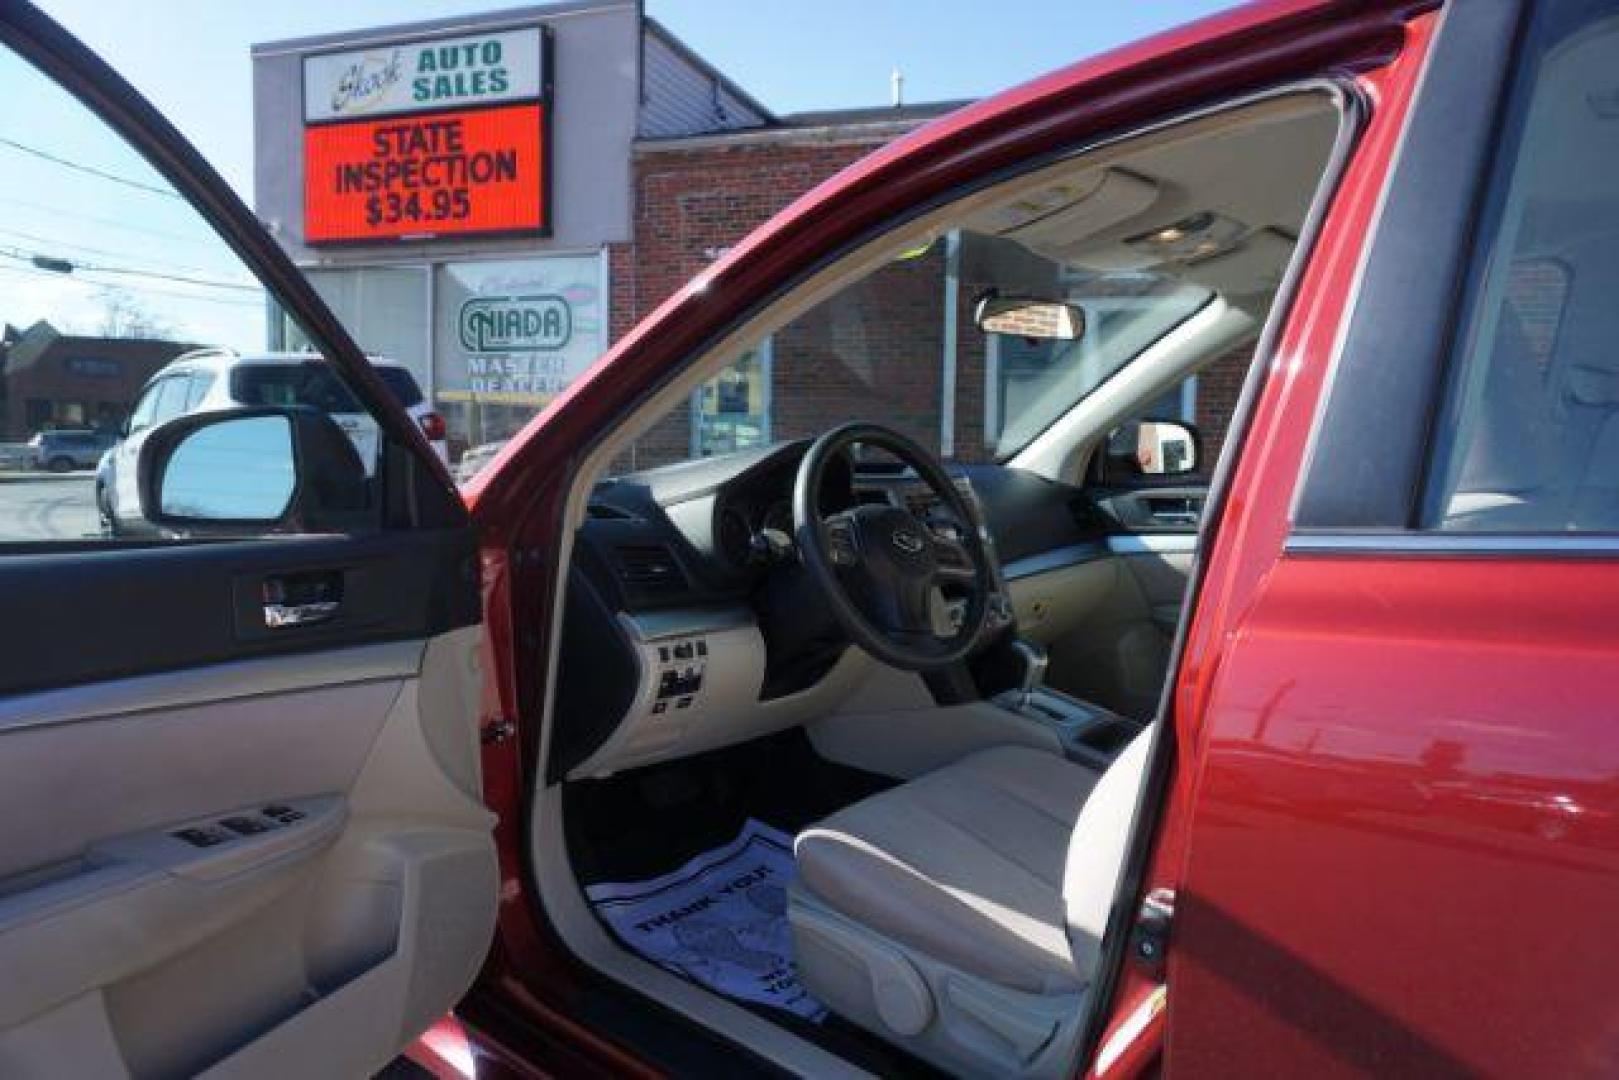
[720,920]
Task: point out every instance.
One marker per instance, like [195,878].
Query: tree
[123,316]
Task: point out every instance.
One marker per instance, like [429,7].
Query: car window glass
[312,383]
[1531,438]
[171,399]
[109,277]
[201,383]
[141,417]
[1162,262]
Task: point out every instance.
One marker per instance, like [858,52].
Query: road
[53,508]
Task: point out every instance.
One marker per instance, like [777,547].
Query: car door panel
[194,604]
[373,907]
[1162,565]
[241,817]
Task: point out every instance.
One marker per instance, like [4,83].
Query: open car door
[241,820]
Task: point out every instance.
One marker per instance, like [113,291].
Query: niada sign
[508,324]
[445,73]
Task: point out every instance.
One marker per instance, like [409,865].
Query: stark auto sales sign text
[438,138]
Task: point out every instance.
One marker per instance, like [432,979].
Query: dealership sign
[440,138]
[517,331]
[503,324]
[448,73]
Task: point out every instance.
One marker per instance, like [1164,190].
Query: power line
[88,170]
[210,240]
[28,271]
[55,243]
[208,283]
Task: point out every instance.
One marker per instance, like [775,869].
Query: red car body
[1390,826]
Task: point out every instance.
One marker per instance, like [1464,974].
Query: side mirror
[253,470]
[1154,448]
[1026,317]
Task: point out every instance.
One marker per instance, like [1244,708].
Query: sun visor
[1013,269]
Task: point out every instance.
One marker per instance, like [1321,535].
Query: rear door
[241,826]
[1402,858]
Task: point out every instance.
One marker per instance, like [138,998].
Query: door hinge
[497,731]
[1149,938]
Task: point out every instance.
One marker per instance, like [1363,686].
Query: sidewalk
[30,476]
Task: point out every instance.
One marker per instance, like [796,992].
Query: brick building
[873,351]
[49,379]
[633,165]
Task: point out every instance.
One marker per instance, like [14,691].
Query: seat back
[1097,848]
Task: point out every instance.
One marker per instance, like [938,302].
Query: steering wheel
[878,565]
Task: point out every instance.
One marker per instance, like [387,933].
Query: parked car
[476,457]
[1299,760]
[214,379]
[66,449]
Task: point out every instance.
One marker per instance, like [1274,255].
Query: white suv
[210,379]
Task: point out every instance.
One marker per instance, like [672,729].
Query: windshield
[1039,381]
[313,384]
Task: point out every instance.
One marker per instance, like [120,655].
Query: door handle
[277,616]
[302,599]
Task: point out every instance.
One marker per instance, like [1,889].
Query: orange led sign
[454,173]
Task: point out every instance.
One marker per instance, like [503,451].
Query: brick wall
[871,352]
[1218,387]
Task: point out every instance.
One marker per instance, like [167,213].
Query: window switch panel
[246,826]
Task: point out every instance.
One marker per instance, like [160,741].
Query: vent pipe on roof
[896,84]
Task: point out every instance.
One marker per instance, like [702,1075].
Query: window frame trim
[1408,286]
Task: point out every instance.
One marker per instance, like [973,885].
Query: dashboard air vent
[650,568]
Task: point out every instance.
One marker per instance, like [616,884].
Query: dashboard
[688,623]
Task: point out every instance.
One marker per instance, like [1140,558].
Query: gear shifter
[1034,659]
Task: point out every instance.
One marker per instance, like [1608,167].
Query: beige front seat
[960,915]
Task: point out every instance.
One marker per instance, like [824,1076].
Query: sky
[135,249]
[191,56]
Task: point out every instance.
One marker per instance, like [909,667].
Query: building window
[732,410]
[385,310]
[508,336]
[38,413]
[94,367]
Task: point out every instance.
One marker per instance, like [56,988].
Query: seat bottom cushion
[964,864]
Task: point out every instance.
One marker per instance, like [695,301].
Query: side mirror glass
[1153,448]
[240,471]
[252,470]
[1041,320]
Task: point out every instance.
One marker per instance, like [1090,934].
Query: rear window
[313,384]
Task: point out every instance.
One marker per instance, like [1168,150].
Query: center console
[1090,735]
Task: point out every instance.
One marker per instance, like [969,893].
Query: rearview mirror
[1155,448]
[1025,317]
[251,470]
